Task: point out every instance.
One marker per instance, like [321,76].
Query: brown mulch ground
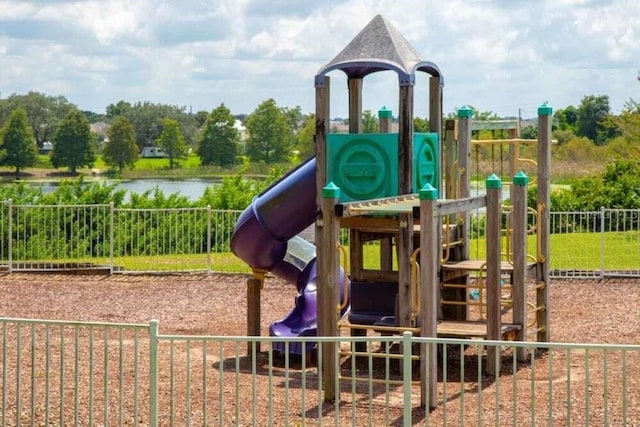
[581,312]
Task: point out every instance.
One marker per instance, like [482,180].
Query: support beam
[386,244]
[404,249]
[405,140]
[429,294]
[355,105]
[494,248]
[328,286]
[545,115]
[464,163]
[254,286]
[519,240]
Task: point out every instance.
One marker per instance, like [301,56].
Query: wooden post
[429,294]
[450,175]
[493,241]
[404,243]
[254,286]
[405,140]
[320,138]
[404,248]
[464,178]
[435,118]
[328,286]
[386,244]
[435,105]
[519,240]
[355,105]
[545,113]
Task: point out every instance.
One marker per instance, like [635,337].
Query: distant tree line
[274,134]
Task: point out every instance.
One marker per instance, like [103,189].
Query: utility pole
[519,122]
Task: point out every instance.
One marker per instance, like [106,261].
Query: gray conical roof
[379,46]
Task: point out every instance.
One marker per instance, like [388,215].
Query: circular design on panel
[363,169]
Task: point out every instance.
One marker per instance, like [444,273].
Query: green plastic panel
[364,166]
[426,161]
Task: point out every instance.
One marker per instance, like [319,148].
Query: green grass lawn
[574,251]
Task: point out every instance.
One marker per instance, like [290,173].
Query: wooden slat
[476,265]
[459,329]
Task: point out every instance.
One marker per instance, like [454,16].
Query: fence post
[111,234]
[406,378]
[208,239]
[10,243]
[602,211]
[154,326]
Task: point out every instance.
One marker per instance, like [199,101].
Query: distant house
[153,152]
[47,148]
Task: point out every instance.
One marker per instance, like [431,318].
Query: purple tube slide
[261,239]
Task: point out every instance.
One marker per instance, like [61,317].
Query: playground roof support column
[435,105]
[435,117]
[405,235]
[405,139]
[327,255]
[545,114]
[355,104]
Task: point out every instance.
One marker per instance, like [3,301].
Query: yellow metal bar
[259,274]
[345,289]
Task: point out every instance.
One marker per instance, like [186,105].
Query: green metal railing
[82,373]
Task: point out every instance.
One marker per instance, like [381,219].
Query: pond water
[193,188]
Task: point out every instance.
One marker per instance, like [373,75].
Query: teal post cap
[428,192]
[493,181]
[521,179]
[331,191]
[465,112]
[545,109]
[384,113]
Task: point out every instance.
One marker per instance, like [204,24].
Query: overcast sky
[501,55]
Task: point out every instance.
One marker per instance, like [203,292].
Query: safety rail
[85,373]
[586,245]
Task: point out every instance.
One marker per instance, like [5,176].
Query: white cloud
[499,55]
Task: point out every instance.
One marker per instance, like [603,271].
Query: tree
[628,122]
[270,135]
[121,150]
[592,114]
[72,143]
[18,142]
[420,124]
[529,132]
[147,118]
[294,117]
[218,144]
[566,119]
[201,118]
[172,142]
[369,122]
[305,140]
[119,109]
[44,112]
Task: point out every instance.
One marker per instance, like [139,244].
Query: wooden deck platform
[455,269]
[473,330]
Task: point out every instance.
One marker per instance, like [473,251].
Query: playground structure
[385,190]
